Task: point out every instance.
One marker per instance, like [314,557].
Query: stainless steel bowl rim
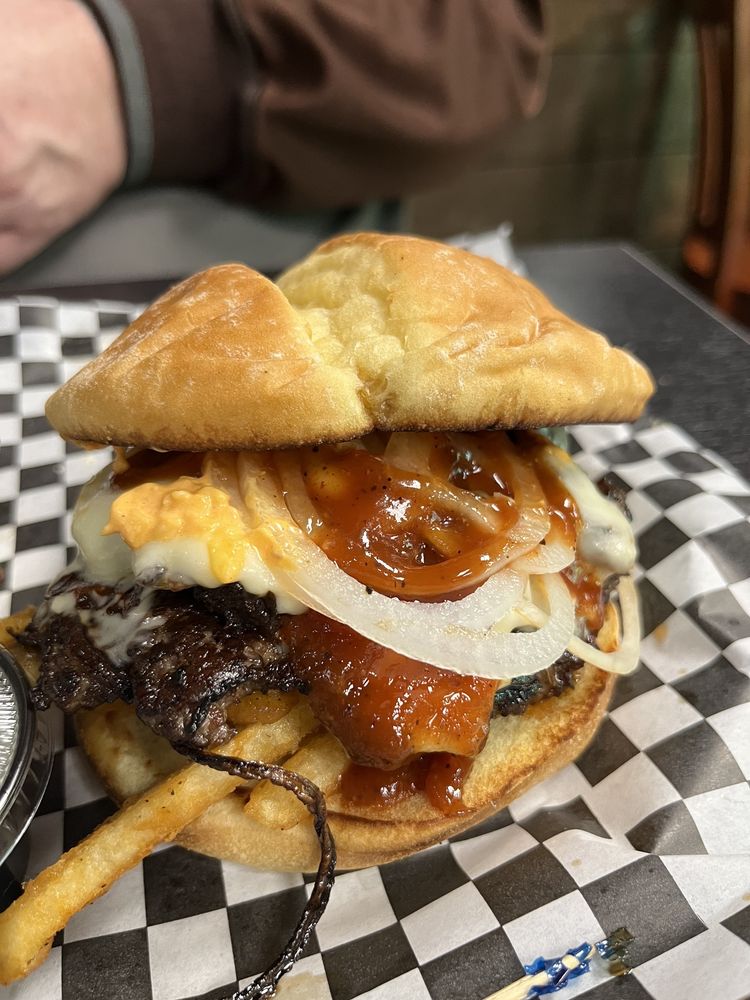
[25,757]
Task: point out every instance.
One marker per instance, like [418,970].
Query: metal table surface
[700,359]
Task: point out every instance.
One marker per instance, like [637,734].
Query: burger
[345,488]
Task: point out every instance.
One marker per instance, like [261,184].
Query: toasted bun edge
[370,331]
[520,752]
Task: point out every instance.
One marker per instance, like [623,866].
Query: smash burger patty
[210,648]
[325,486]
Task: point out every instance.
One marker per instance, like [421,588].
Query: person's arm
[332,102]
[62,142]
[287,103]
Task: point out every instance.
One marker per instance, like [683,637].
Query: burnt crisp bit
[206,650]
[73,673]
[212,648]
[515,698]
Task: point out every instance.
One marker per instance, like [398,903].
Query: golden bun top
[369,332]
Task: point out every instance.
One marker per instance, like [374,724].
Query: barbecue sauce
[384,707]
[384,527]
[407,726]
[410,727]
[440,776]
[564,516]
[588,592]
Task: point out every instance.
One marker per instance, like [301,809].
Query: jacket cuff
[178,71]
[117,27]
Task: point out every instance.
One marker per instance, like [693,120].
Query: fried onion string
[313,800]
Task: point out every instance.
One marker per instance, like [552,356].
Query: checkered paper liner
[650,828]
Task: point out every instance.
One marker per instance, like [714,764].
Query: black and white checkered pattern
[651,828]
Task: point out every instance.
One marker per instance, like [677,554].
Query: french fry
[259,707]
[27,659]
[321,759]
[85,872]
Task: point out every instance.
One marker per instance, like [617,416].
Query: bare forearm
[62,144]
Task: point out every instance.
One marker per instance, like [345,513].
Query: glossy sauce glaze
[384,707]
[440,776]
[588,590]
[409,727]
[564,516]
[398,532]
[406,725]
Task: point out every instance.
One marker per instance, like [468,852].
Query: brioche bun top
[368,332]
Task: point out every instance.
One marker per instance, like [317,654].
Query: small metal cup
[25,764]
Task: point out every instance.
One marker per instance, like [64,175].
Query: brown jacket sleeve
[324,103]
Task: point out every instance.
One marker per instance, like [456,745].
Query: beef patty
[201,651]
[192,654]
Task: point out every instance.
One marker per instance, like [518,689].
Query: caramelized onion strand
[504,543]
[312,798]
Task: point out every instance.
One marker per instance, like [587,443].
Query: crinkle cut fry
[86,871]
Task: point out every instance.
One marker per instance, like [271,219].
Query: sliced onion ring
[531,526]
[550,557]
[298,499]
[463,636]
[624,659]
[410,451]
[469,636]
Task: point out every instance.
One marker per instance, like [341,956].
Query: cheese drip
[114,633]
[605,538]
[170,539]
[230,522]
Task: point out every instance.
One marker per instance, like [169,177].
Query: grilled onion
[459,572]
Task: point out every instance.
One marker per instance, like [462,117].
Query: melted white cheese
[606,537]
[605,540]
[183,561]
[105,558]
[112,633]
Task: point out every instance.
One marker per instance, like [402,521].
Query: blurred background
[611,154]
[643,137]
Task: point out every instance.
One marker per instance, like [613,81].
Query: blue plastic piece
[557,974]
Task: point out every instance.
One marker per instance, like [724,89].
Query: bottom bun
[520,751]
